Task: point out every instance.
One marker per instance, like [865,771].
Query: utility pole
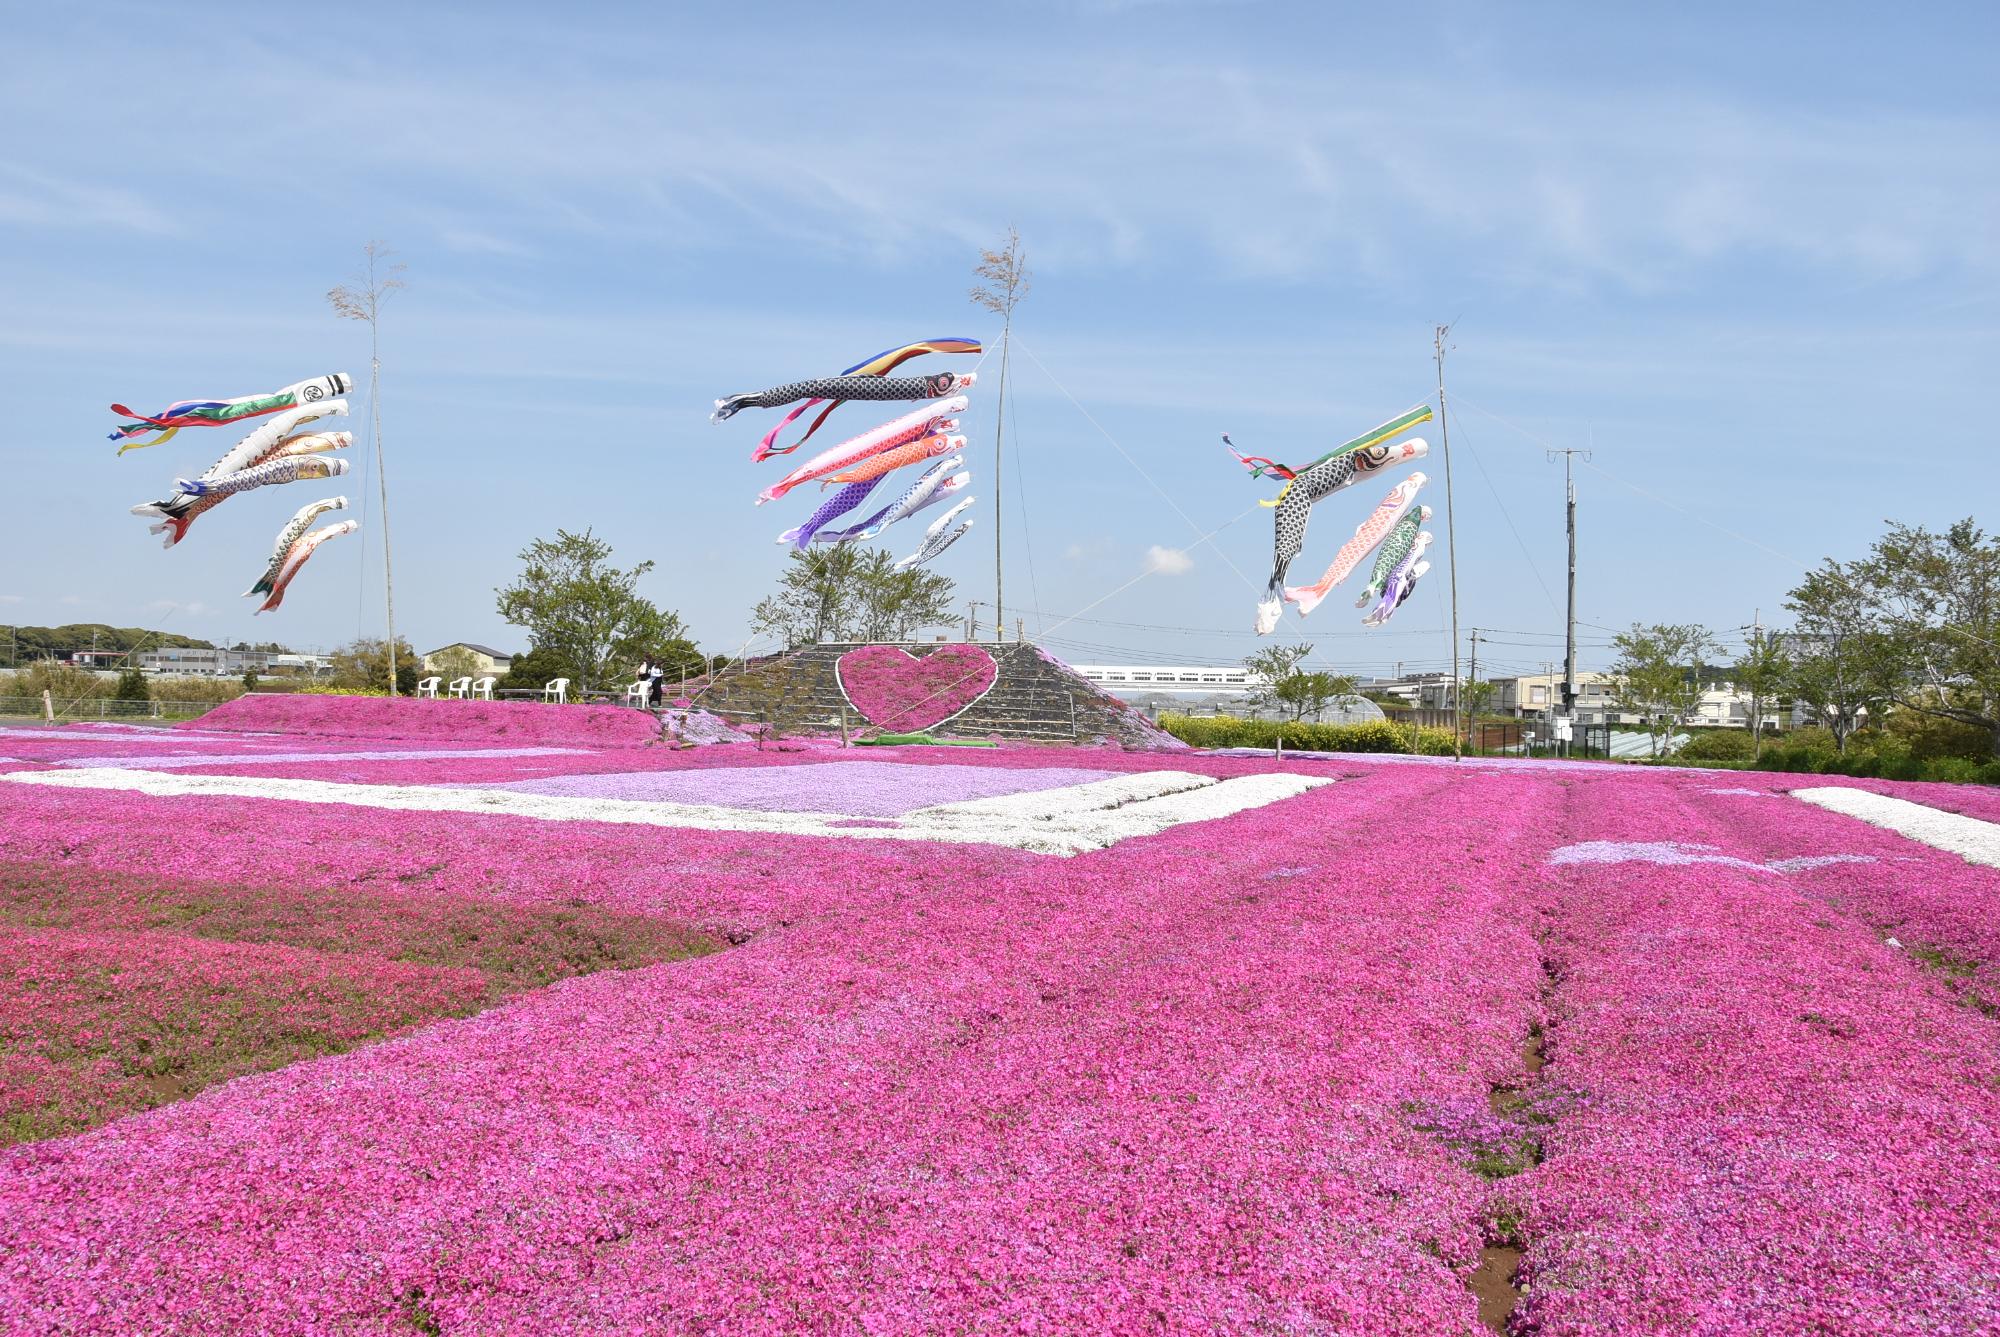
[1441,333]
[971,620]
[1569,637]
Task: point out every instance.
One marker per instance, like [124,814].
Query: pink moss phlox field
[515,722]
[899,693]
[1153,1086]
[1941,908]
[1779,1124]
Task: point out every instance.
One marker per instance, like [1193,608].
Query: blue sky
[1750,258]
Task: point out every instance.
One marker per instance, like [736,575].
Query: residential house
[485,659]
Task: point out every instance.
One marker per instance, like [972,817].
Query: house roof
[486,650]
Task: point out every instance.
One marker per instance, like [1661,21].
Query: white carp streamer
[936,540]
[294,529]
[296,558]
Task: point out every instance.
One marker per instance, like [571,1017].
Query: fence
[105,708]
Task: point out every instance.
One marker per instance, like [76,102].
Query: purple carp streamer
[290,534]
[1402,581]
[293,470]
[218,412]
[936,540]
[937,483]
[296,557]
[835,506]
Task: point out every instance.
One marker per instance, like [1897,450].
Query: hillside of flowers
[309,1028]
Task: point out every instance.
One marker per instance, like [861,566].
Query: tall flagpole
[1442,333]
[351,302]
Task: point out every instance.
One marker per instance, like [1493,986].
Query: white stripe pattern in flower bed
[1075,819]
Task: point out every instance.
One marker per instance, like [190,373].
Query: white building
[1128,680]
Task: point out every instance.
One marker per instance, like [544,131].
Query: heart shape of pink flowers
[900,692]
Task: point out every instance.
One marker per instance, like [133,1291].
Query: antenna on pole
[1442,333]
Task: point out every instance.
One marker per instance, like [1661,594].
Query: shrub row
[1946,770]
[1374,736]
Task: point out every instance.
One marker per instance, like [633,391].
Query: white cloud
[1162,561]
[194,609]
[13,599]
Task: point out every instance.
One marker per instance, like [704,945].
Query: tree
[680,657]
[1761,671]
[1476,694]
[1291,691]
[362,665]
[455,662]
[132,686]
[1657,674]
[535,669]
[1839,659]
[583,610]
[1936,602]
[844,593]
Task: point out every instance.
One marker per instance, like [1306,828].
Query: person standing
[656,674]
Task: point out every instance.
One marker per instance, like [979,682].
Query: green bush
[132,686]
[1928,738]
[1959,771]
[1718,745]
[1989,774]
[1373,736]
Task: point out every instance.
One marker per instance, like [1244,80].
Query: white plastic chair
[556,691]
[638,692]
[460,688]
[483,689]
[428,688]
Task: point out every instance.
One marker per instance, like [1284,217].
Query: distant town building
[207,663]
[485,659]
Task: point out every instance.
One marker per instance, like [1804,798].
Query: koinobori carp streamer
[1370,532]
[267,443]
[1401,582]
[932,418]
[936,539]
[296,557]
[888,461]
[845,388]
[880,365]
[937,483]
[838,504]
[292,470]
[290,534]
[1392,552]
[219,412]
[1304,489]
